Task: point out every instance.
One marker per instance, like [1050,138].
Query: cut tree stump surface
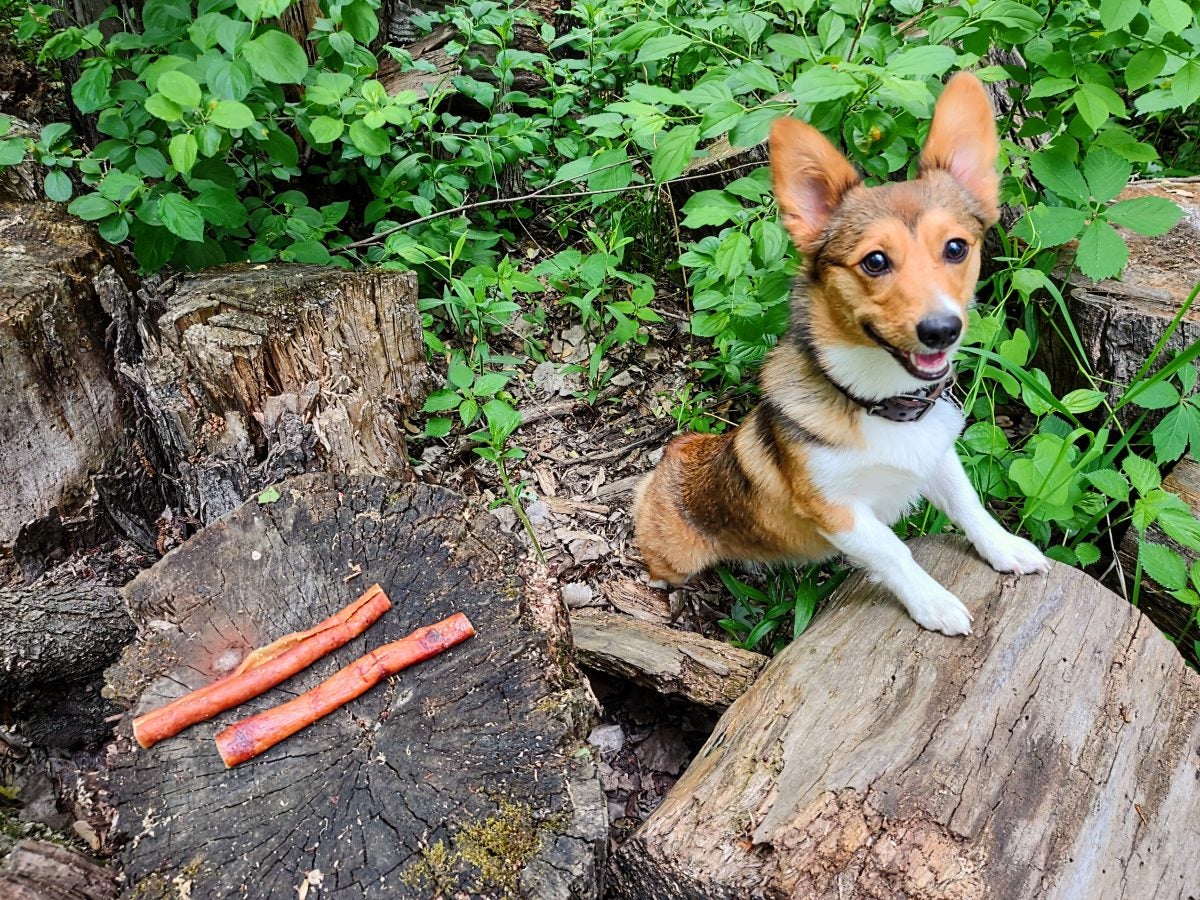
[60,407]
[462,775]
[255,373]
[1054,753]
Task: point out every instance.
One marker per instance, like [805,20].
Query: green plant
[787,594]
[502,420]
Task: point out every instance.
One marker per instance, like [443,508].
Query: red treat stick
[246,739]
[263,669]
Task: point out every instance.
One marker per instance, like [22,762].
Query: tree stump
[1177,620]
[1119,322]
[61,407]
[463,776]
[1051,754]
[38,870]
[256,373]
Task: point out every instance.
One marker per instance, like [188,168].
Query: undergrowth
[224,141]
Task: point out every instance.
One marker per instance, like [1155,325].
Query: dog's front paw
[1006,552]
[939,610]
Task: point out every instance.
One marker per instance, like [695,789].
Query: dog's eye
[956,250]
[876,263]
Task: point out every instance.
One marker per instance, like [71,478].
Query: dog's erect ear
[810,177]
[962,141]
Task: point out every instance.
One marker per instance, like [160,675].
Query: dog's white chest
[888,472]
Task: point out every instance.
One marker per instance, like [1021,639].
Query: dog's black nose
[939,332]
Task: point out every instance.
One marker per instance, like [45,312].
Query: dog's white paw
[939,610]
[1006,552]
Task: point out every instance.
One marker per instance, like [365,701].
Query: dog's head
[893,268]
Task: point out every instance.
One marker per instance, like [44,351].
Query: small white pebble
[256,556]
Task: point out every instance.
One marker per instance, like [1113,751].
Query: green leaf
[91,91]
[270,495]
[921,62]
[1095,103]
[1051,226]
[183,152]
[276,57]
[662,47]
[181,217]
[1106,174]
[231,114]
[1164,565]
[58,185]
[489,383]
[1152,216]
[821,83]
[1159,395]
[460,374]
[1143,474]
[326,129]
[1116,14]
[12,151]
[263,9]
[115,228]
[1102,252]
[1059,174]
[1173,15]
[1087,554]
[160,107]
[1081,401]
[436,428]
[440,401]
[1143,67]
[360,20]
[1185,84]
[674,152]
[179,88]
[91,207]
[221,206]
[1110,482]
[707,208]
[371,141]
[1170,436]
[1050,86]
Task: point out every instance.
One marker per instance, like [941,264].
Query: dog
[856,421]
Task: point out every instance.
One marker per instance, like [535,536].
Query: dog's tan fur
[749,494]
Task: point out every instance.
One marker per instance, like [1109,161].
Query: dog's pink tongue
[929,361]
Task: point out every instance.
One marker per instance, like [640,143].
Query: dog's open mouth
[926,366]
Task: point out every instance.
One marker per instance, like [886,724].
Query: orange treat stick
[263,669]
[246,739]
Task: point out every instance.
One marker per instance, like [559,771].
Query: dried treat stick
[263,669]
[246,739]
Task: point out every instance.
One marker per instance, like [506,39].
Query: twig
[539,194]
[652,438]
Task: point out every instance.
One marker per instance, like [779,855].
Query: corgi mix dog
[855,422]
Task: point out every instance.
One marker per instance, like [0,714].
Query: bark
[38,870]
[22,182]
[60,403]
[462,775]
[703,671]
[59,633]
[1051,754]
[252,374]
[1177,620]
[1119,322]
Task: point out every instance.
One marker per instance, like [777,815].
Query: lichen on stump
[254,373]
[1051,754]
[461,774]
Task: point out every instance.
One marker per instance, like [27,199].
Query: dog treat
[246,739]
[263,669]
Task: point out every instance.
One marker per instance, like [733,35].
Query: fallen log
[254,373]
[63,413]
[459,776]
[663,659]
[39,870]
[1177,620]
[1051,754]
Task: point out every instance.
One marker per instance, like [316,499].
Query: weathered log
[1051,754]
[1177,620]
[62,410]
[461,775]
[39,870]
[1120,322]
[51,633]
[256,373]
[663,659]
